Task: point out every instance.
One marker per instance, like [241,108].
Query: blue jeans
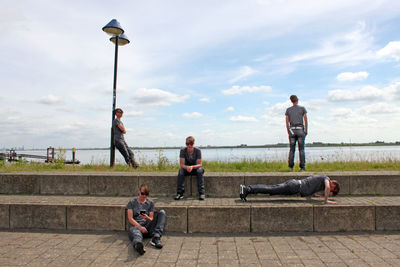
[297,136]
[289,187]
[154,228]
[181,179]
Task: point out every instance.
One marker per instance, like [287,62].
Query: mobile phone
[142,212]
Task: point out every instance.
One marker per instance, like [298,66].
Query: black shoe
[134,164]
[202,197]
[244,191]
[139,248]
[156,242]
[179,196]
[302,169]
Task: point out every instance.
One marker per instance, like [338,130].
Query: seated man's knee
[162,213]
[181,172]
[200,170]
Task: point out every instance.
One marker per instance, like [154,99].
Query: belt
[297,128]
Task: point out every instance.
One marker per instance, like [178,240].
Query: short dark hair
[190,139]
[294,98]
[118,110]
[337,187]
[145,189]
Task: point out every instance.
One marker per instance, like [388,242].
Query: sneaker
[156,242]
[134,164]
[139,248]
[179,196]
[303,169]
[244,191]
[202,197]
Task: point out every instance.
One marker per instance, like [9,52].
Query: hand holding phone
[142,212]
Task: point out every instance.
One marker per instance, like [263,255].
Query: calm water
[313,154]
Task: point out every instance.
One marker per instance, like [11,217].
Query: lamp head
[122,39]
[113,28]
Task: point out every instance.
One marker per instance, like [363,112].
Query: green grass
[210,166]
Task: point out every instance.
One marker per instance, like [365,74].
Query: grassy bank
[210,166]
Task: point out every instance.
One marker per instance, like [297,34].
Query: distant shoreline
[314,144]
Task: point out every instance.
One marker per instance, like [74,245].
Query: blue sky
[221,71]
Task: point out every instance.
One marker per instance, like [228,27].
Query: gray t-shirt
[118,134]
[296,114]
[312,185]
[136,207]
[190,159]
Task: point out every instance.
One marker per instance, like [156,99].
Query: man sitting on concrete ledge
[305,187]
[142,221]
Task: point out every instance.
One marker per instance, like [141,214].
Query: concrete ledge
[4,216]
[387,185]
[113,185]
[95,218]
[214,215]
[64,184]
[218,219]
[37,216]
[164,184]
[282,218]
[344,218]
[19,184]
[177,218]
[388,217]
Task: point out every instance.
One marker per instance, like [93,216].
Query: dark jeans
[181,179]
[289,187]
[154,228]
[126,152]
[297,136]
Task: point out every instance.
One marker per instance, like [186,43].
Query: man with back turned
[297,128]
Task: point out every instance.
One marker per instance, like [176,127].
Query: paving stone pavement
[68,248]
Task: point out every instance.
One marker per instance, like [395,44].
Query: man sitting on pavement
[142,221]
[305,187]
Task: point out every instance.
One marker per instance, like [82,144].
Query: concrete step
[214,215]
[164,184]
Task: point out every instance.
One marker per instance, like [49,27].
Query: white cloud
[379,108]
[341,112]
[345,48]
[133,113]
[157,97]
[279,108]
[50,100]
[192,115]
[230,109]
[243,73]
[235,90]
[365,93]
[392,49]
[243,119]
[205,99]
[352,76]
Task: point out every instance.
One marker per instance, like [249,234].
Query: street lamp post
[114,29]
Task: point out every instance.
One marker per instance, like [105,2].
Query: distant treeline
[314,144]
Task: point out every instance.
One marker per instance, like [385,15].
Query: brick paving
[44,248]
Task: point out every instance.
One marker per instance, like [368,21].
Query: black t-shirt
[312,185]
[190,159]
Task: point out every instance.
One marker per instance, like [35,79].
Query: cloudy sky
[221,71]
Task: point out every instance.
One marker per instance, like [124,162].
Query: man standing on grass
[142,221]
[297,128]
[119,141]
